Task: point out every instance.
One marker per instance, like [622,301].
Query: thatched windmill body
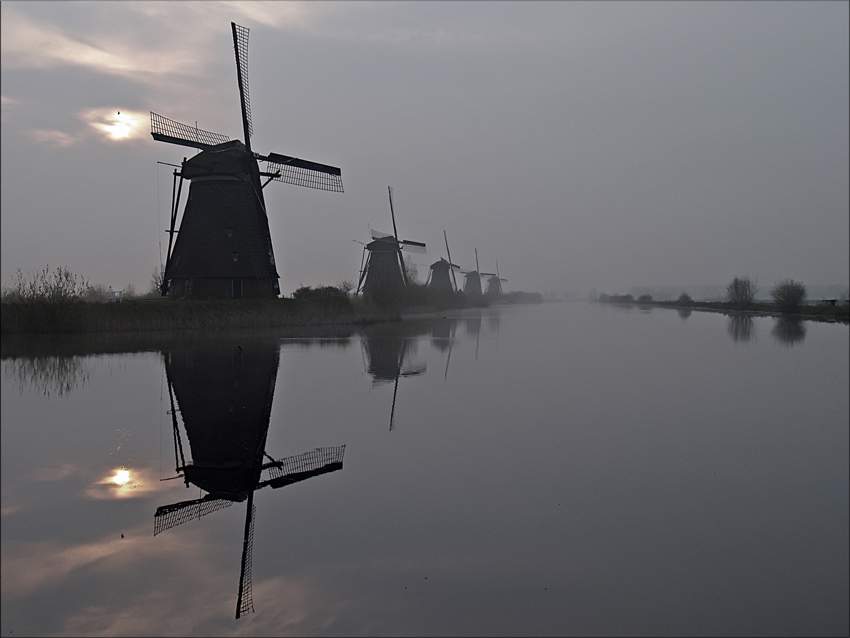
[441,273]
[384,272]
[472,280]
[494,283]
[223,248]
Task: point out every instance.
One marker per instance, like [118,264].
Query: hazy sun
[118,125]
[121,477]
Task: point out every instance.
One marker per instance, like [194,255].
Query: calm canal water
[562,469]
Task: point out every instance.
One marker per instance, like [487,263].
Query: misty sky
[582,145]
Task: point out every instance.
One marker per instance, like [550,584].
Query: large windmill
[224,396]
[223,248]
[384,271]
[438,275]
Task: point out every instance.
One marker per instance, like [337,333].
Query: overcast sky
[582,145]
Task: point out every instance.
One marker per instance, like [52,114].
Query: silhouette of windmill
[438,275]
[223,248]
[385,272]
[472,282]
[224,396]
[494,283]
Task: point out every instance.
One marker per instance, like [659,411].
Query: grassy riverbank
[165,315]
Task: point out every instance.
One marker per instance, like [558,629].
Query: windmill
[223,248]
[494,283]
[385,272]
[472,282]
[438,275]
[224,396]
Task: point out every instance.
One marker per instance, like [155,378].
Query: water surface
[563,469]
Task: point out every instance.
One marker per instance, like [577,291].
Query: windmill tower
[223,248]
[472,281]
[224,397]
[494,283]
[438,275]
[384,272]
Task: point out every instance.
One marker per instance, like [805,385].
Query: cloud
[7,104]
[31,44]
[59,139]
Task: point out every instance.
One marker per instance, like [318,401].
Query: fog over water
[559,469]
[606,145]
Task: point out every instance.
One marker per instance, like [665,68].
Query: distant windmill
[223,248]
[438,275]
[224,396]
[494,283]
[385,271]
[472,282]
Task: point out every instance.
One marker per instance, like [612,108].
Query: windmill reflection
[443,337]
[387,350]
[224,394]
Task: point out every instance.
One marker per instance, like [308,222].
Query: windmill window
[235,256]
[230,232]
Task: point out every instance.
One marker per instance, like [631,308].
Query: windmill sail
[291,170]
[168,516]
[173,132]
[240,47]
[298,468]
[245,598]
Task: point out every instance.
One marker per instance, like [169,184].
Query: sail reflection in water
[224,394]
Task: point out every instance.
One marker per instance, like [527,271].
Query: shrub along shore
[815,312]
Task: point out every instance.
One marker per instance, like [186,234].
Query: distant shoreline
[820,312]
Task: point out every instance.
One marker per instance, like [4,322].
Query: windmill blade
[413,370]
[173,132]
[377,234]
[487,274]
[413,246]
[169,516]
[303,466]
[299,172]
[448,252]
[240,48]
[245,598]
[395,234]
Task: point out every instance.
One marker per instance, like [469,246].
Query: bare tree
[788,295]
[346,285]
[741,292]
[157,280]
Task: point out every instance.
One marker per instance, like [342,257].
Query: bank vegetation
[788,299]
